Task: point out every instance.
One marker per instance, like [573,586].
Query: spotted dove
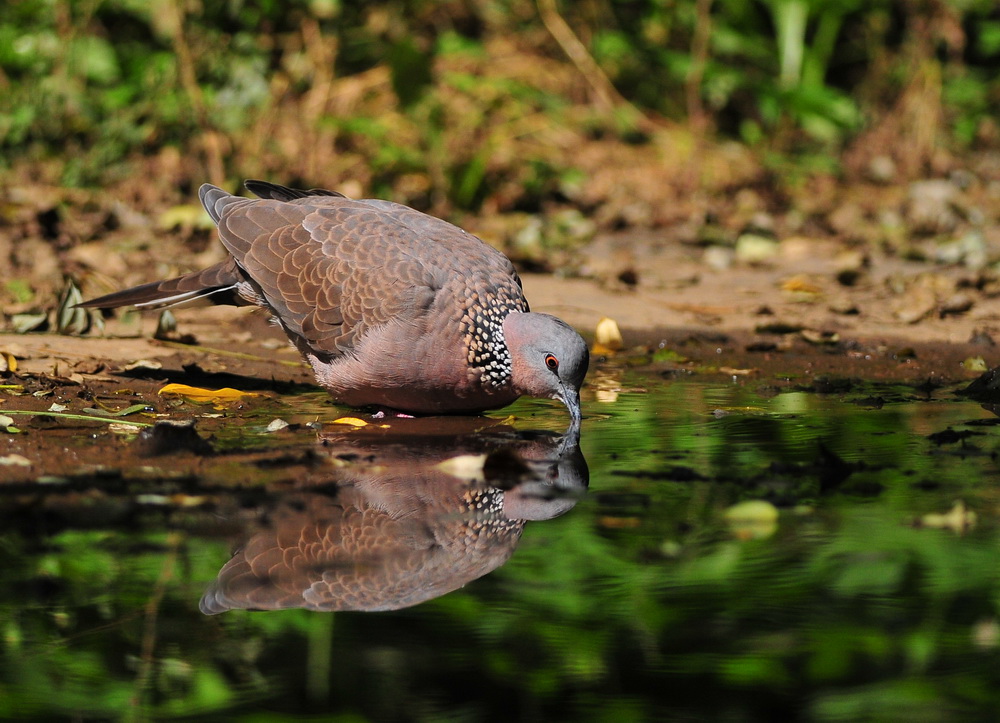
[390,306]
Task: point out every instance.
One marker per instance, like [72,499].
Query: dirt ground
[788,315]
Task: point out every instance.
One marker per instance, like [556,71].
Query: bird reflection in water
[404,520]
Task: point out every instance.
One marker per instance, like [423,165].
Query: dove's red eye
[551,362]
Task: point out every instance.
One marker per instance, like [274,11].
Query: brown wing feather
[330,268]
[216,283]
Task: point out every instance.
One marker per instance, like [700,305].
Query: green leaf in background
[411,71]
[20,289]
[95,59]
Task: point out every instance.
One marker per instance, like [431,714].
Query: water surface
[714,550]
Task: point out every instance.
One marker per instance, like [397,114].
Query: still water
[716,550]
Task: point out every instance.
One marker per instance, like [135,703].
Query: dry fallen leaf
[143,364]
[70,318]
[277,425]
[915,304]
[814,336]
[7,362]
[23,323]
[351,422]
[197,394]
[607,337]
[801,284]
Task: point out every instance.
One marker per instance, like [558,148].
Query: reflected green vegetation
[872,595]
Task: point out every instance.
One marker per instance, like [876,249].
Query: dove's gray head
[548,358]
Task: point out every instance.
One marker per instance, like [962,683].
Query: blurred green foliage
[296,89]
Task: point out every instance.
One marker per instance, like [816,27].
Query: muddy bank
[678,313]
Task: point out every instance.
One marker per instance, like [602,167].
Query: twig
[607,95]
[699,58]
[67,415]
[189,81]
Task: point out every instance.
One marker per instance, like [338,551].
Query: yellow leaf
[607,335]
[351,421]
[184,216]
[197,394]
[7,362]
[972,364]
[801,284]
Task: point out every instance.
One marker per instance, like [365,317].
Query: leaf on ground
[607,337]
[277,425]
[7,362]
[23,323]
[814,336]
[801,284]
[122,413]
[165,325]
[143,364]
[14,460]
[351,422]
[197,394]
[70,318]
[915,304]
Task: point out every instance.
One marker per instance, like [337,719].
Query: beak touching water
[571,398]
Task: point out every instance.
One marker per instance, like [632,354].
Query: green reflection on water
[640,603]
